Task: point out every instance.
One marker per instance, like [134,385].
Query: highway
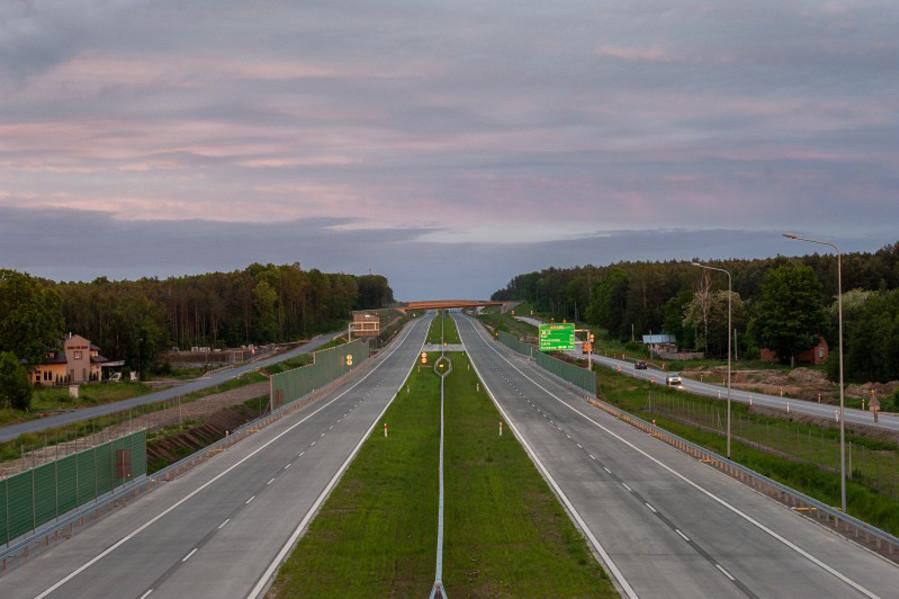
[12,431]
[663,524]
[855,416]
[221,529]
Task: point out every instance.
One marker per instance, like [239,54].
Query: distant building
[660,343]
[816,355]
[79,361]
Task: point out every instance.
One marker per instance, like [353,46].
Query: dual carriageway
[661,523]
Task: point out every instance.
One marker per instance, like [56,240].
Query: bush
[15,388]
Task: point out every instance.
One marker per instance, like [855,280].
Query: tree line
[781,303]
[138,320]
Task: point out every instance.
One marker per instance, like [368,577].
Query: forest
[138,320]
[780,303]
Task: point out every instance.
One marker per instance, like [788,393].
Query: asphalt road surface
[887,421]
[220,530]
[12,431]
[665,524]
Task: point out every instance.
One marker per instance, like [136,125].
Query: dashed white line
[147,594]
[682,535]
[651,509]
[313,444]
[299,455]
[322,435]
[579,446]
[331,427]
[287,466]
[269,482]
[725,572]
[225,523]
[247,502]
[188,556]
[627,487]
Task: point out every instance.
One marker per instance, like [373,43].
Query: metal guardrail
[861,532]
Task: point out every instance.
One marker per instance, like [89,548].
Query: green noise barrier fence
[327,366]
[583,378]
[37,496]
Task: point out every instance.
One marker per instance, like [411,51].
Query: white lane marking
[627,487]
[247,502]
[579,446]
[225,472]
[683,536]
[313,444]
[725,572]
[604,556]
[299,455]
[263,582]
[287,466]
[269,482]
[839,575]
[651,509]
[592,457]
[322,435]
[331,427]
[147,594]
[188,556]
[607,470]
[225,523]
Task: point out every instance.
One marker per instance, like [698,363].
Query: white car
[673,380]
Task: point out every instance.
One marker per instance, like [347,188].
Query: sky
[447,145]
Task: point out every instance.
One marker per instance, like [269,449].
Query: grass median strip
[444,322]
[506,533]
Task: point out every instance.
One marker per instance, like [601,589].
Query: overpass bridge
[454,303]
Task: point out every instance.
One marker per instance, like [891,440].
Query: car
[640,365]
[673,380]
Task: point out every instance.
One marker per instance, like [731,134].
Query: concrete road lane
[215,531]
[33,426]
[887,421]
[670,525]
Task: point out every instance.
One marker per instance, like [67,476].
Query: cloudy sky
[473,139]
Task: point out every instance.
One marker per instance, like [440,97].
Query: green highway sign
[556,337]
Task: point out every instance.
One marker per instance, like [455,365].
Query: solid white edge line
[263,582]
[187,497]
[606,559]
[839,575]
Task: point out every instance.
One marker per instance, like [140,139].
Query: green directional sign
[556,337]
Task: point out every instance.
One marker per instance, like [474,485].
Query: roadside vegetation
[443,327]
[506,535]
[45,400]
[800,452]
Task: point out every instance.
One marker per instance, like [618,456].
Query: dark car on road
[640,365]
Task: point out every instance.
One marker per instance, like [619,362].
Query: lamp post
[729,344]
[839,252]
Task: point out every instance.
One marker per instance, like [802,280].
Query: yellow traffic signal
[424,357]
[349,359]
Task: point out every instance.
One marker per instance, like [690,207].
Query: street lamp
[840,327]
[729,344]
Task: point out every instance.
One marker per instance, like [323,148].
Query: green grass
[506,535]
[803,456]
[295,362]
[450,334]
[52,399]
[506,322]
